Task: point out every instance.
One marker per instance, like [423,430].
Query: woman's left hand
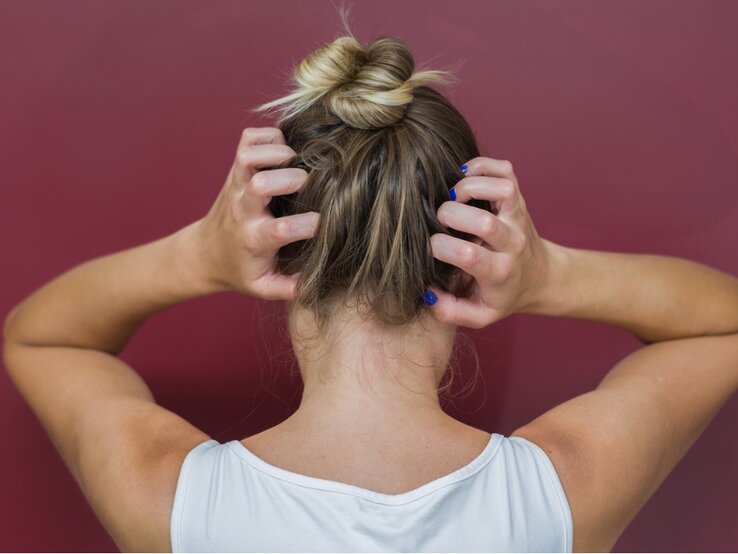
[239,237]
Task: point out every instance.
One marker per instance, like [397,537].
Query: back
[509,498]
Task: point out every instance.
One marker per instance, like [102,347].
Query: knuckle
[282,229]
[488,224]
[469,255]
[247,132]
[507,189]
[259,182]
[506,166]
[243,157]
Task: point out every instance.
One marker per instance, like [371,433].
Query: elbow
[8,326]
[7,338]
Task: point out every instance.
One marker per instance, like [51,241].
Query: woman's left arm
[61,343]
[121,447]
[100,303]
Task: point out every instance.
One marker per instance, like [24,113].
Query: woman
[356,213]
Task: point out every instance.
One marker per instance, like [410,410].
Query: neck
[369,378]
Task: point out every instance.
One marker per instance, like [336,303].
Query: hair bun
[366,86]
[367,89]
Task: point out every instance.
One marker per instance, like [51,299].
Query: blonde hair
[367,86]
[381,149]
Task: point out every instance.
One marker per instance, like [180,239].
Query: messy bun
[381,149]
[366,86]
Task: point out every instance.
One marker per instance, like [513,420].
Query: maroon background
[120,120]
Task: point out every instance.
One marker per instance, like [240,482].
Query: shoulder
[137,508]
[570,460]
[123,449]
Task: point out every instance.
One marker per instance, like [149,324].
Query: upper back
[508,498]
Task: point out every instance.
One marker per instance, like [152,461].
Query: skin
[370,377]
[125,451]
[370,399]
[382,383]
[611,447]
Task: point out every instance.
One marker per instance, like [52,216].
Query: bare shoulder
[612,447]
[569,464]
[122,448]
[137,510]
[165,470]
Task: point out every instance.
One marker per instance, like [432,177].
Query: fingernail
[429,298]
[452,193]
[463,168]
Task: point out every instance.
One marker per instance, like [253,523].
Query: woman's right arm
[655,297]
[612,446]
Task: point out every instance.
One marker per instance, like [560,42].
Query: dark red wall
[120,120]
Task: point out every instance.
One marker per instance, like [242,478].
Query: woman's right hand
[509,262]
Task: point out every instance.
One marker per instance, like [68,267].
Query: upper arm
[614,446]
[122,448]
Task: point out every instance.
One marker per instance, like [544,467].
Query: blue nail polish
[452,193]
[463,168]
[429,298]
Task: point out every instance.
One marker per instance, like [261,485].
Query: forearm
[654,297]
[100,303]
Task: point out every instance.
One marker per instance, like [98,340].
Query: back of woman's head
[382,149]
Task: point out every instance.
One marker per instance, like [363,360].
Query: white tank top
[508,499]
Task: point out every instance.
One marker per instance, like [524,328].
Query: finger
[476,260]
[274,182]
[490,167]
[261,135]
[274,232]
[277,286]
[253,157]
[481,223]
[502,192]
[452,310]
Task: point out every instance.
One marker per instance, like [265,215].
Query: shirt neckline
[455,476]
